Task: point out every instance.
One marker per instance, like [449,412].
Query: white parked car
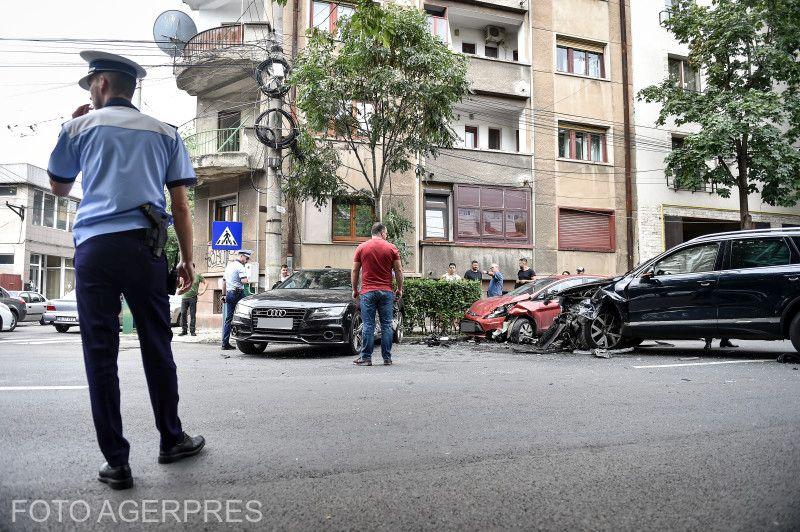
[7,319]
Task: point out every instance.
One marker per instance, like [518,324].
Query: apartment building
[668,215]
[36,246]
[538,170]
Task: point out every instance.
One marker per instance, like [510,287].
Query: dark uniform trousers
[105,267]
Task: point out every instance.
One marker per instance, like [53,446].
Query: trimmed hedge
[437,306]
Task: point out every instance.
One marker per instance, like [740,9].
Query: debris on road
[788,358]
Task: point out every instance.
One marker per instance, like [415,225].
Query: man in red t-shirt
[373,263]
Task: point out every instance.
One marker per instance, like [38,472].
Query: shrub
[437,306]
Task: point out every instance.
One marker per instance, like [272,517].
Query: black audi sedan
[741,284]
[313,307]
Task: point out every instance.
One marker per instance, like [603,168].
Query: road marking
[44,342]
[24,388]
[701,364]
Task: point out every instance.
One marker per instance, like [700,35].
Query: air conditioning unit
[494,34]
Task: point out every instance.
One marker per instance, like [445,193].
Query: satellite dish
[172,30]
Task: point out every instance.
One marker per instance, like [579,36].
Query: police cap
[106,62]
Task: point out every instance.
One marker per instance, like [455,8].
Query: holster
[156,235]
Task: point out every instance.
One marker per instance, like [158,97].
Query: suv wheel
[603,331]
[794,332]
[522,331]
[251,348]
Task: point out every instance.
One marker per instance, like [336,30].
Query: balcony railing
[214,39]
[214,141]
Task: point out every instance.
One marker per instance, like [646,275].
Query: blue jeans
[383,302]
[231,298]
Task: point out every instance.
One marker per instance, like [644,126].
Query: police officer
[126,159]
[233,287]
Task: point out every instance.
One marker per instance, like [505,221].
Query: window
[222,210]
[696,259]
[7,258]
[327,16]
[228,124]
[586,230]
[683,75]
[515,55]
[470,136]
[759,253]
[468,47]
[72,210]
[6,190]
[677,143]
[352,219]
[49,211]
[494,139]
[582,145]
[61,214]
[516,139]
[437,216]
[34,271]
[38,207]
[584,62]
[437,22]
[492,214]
[490,51]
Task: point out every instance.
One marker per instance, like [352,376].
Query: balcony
[220,153]
[220,57]
[499,77]
[459,165]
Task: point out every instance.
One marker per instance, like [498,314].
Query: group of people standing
[524,275]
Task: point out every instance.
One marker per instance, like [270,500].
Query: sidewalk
[204,336]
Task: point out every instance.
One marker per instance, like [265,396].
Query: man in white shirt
[233,287]
[451,274]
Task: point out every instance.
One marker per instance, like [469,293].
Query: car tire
[62,328]
[41,321]
[603,331]
[13,321]
[251,348]
[355,343]
[522,331]
[397,334]
[794,332]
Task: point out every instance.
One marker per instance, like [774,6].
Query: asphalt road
[467,437]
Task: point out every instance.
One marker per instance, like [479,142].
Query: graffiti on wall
[217,258]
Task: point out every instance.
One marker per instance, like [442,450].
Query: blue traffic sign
[226,235]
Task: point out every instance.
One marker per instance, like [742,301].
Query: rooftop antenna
[172,30]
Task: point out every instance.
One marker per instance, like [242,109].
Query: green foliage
[397,226]
[437,306]
[171,249]
[385,91]
[749,108]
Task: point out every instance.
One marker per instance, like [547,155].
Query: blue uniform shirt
[126,158]
[234,273]
[495,285]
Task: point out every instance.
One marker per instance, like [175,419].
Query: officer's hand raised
[82,110]
[185,276]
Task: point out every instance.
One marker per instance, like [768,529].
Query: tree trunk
[746,221]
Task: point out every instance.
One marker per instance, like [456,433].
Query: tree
[749,108]
[382,92]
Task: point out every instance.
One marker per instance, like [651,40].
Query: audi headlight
[499,311]
[242,311]
[328,312]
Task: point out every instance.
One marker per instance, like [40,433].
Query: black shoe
[117,478]
[193,333]
[227,347]
[362,362]
[182,333]
[190,446]
[726,343]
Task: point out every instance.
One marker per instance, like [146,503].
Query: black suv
[742,284]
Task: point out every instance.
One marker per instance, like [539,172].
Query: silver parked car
[35,304]
[63,313]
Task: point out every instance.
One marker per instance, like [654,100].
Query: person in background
[580,270]
[189,304]
[565,272]
[233,287]
[474,273]
[450,274]
[373,264]
[495,281]
[525,274]
[285,274]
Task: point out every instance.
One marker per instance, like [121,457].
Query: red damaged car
[527,309]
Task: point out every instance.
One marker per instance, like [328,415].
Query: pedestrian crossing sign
[226,235]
